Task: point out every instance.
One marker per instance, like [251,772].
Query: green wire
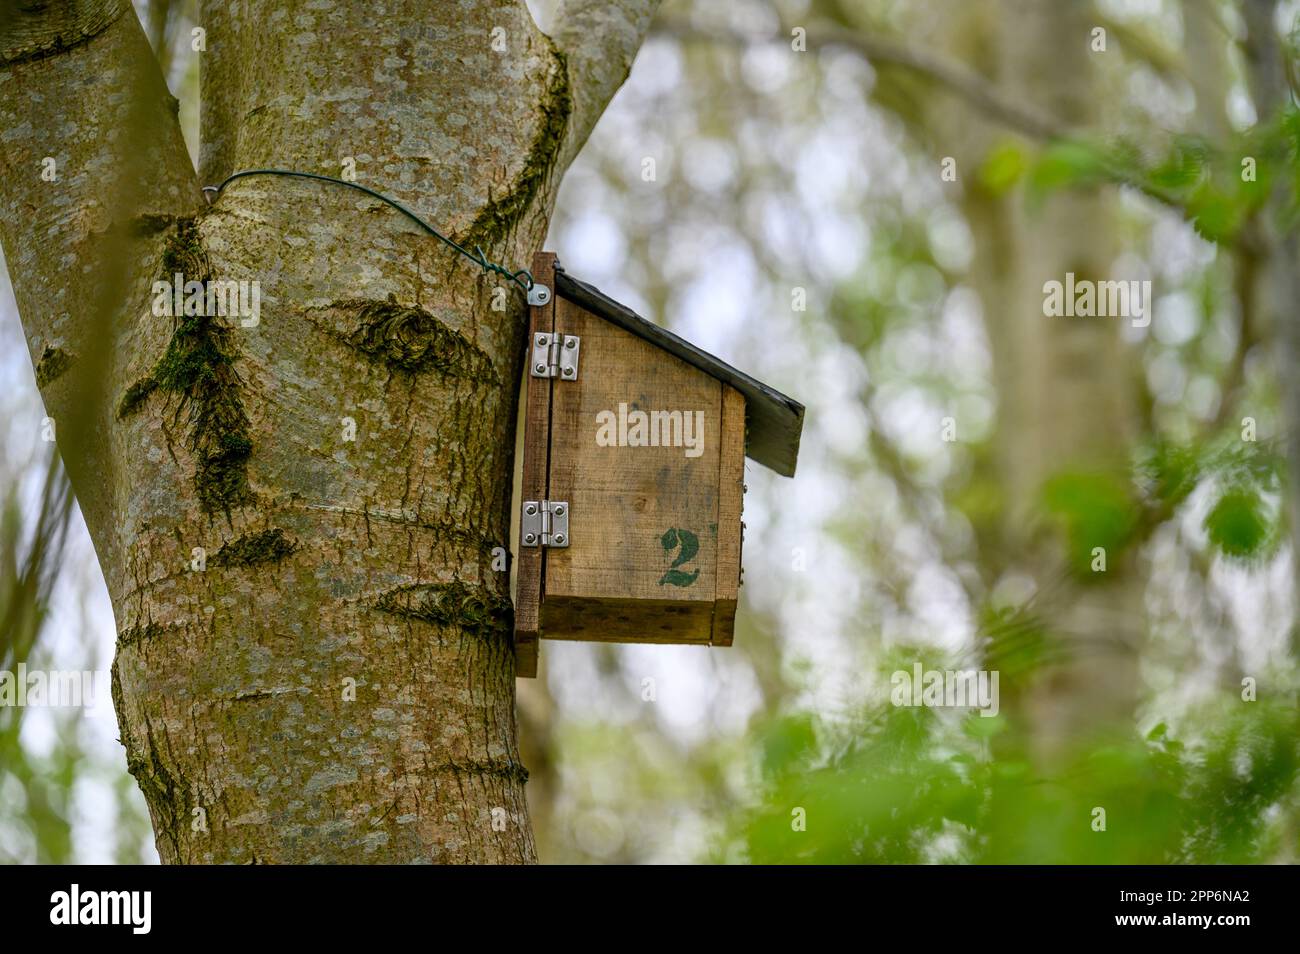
[477,257]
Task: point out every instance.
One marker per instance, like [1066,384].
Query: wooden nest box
[627,525]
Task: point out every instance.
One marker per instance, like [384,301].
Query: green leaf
[1003,167]
[1239,525]
[1065,165]
[1183,167]
[1097,511]
[1216,215]
[983,727]
[1174,469]
[787,742]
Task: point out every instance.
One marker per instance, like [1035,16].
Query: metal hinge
[545,523]
[554,356]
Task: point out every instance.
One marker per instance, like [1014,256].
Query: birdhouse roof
[773,422]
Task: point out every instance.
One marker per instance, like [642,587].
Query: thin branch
[92,149]
[1247,262]
[599,40]
[955,77]
[958,79]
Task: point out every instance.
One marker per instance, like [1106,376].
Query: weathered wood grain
[731,501]
[627,621]
[535,414]
[633,510]
[775,421]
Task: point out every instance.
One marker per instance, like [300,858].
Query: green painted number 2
[690,546]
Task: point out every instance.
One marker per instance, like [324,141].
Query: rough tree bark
[329,562]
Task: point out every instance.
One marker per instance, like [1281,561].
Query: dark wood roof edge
[773,422]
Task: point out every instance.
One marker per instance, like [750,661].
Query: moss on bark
[497,219]
[54,361]
[197,371]
[139,634]
[412,340]
[471,608]
[253,549]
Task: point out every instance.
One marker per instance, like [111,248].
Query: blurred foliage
[35,787]
[1217,185]
[1097,510]
[902,784]
[1245,522]
[918,785]
[29,562]
[1195,519]
[48,760]
[1239,526]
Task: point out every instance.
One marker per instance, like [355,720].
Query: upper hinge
[554,356]
[545,523]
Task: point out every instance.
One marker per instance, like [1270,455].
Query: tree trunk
[296,519]
[1067,392]
[1270,86]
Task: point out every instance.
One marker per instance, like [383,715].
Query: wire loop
[523,278]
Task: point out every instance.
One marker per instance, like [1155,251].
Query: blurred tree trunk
[1067,396]
[1269,78]
[314,660]
[1066,392]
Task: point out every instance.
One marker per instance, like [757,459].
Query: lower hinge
[554,356]
[545,523]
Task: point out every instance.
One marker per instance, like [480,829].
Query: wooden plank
[775,420]
[731,502]
[535,411]
[634,510]
[627,621]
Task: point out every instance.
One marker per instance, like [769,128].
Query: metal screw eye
[529,538]
[530,509]
[570,344]
[559,538]
[559,511]
[541,339]
[568,372]
[541,368]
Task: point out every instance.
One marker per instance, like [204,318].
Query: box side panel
[731,500]
[535,414]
